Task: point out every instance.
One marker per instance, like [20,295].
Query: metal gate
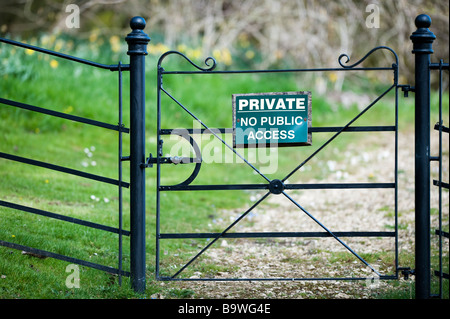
[273,187]
[280,186]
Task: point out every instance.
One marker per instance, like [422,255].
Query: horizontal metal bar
[62,217]
[354,129]
[174,160]
[445,129]
[63,169]
[277,71]
[339,185]
[441,233]
[64,258]
[266,186]
[389,277]
[196,131]
[276,234]
[438,274]
[323,129]
[113,67]
[437,66]
[64,115]
[437,183]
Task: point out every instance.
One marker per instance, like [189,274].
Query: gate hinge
[407,88]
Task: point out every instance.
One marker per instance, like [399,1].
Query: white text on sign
[269,104]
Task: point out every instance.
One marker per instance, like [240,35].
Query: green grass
[82,91]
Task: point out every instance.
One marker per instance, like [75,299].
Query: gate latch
[406,89]
[407,272]
[149,161]
[168,160]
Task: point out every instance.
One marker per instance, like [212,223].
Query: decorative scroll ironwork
[365,57]
[209,67]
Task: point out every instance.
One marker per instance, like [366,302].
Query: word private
[272,119]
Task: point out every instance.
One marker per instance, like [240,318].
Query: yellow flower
[217,55]
[115,43]
[279,54]
[333,76]
[46,181]
[29,51]
[54,64]
[182,48]
[13,236]
[68,109]
[195,53]
[45,39]
[58,45]
[226,56]
[250,54]
[243,40]
[223,56]
[52,39]
[114,39]
[93,36]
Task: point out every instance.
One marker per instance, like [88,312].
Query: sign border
[309,110]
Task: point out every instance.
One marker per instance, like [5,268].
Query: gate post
[137,49]
[422,40]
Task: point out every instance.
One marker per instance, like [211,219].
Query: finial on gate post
[137,39]
[423,38]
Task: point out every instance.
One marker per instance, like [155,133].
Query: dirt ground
[337,210]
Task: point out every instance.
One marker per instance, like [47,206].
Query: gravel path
[337,210]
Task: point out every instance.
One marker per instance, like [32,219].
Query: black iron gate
[273,187]
[422,40]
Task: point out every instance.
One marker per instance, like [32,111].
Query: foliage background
[256,33]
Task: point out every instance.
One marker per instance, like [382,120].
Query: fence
[137,42]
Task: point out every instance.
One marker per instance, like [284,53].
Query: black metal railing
[137,42]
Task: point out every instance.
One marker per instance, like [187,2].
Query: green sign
[271,119]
